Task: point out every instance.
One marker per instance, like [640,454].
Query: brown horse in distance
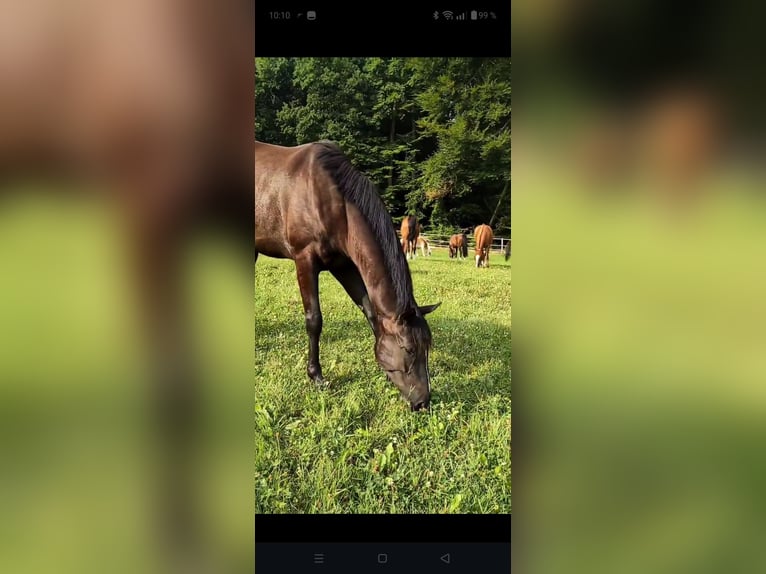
[483,236]
[314,207]
[458,246]
[410,231]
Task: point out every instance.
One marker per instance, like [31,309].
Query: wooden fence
[442,242]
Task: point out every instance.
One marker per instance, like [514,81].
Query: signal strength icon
[447,15]
[461,16]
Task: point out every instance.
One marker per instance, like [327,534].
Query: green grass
[356,447]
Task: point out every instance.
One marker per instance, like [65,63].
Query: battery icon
[474,15]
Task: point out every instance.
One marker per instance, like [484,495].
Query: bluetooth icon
[436,15]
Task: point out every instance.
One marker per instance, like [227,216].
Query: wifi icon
[447,15]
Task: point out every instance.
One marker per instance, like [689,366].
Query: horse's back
[271,156]
[483,235]
[296,201]
[72,97]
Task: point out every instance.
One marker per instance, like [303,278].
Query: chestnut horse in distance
[314,207]
[483,236]
[458,246]
[410,231]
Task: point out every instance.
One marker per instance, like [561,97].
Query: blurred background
[125,319]
[640,240]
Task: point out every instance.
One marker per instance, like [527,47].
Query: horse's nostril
[420,406]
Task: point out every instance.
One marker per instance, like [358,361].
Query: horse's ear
[426,309]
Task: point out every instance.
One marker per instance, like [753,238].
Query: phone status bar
[434,15]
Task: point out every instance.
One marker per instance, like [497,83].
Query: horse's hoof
[320,382]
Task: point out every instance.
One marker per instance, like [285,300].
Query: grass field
[356,447]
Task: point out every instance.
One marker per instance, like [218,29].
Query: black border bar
[383,528]
[385,29]
[384,557]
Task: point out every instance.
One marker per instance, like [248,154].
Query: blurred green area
[641,327]
[639,245]
[79,459]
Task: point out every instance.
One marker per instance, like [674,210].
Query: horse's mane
[360,191]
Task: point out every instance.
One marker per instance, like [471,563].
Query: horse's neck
[367,256]
[377,281]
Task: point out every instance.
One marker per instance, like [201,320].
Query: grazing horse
[483,236]
[425,246]
[508,251]
[163,130]
[458,246]
[314,207]
[410,231]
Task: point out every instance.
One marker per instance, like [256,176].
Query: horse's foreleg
[349,277]
[156,253]
[308,282]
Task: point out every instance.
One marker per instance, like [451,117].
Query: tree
[433,133]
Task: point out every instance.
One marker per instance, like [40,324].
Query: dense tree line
[434,134]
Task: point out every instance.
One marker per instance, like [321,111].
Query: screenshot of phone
[382,288]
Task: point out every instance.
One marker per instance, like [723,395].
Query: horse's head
[401,348]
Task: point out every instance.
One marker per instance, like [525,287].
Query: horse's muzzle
[421,406]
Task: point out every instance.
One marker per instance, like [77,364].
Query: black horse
[314,207]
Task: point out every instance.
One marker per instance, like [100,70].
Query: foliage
[433,133]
